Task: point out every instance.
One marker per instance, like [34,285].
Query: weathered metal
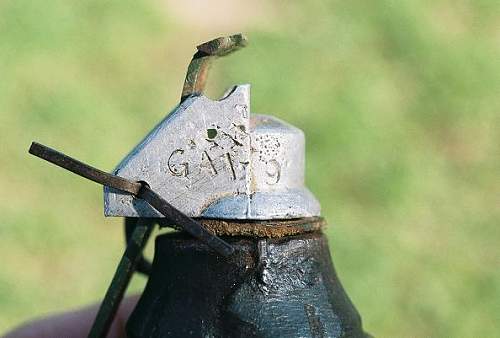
[84,170]
[240,176]
[121,279]
[139,190]
[140,234]
[143,265]
[211,159]
[197,72]
[269,229]
[284,287]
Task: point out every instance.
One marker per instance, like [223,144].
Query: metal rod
[141,233]
[121,278]
[138,189]
[188,224]
[143,265]
[194,84]
[84,170]
[197,71]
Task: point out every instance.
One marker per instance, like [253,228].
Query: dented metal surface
[213,159]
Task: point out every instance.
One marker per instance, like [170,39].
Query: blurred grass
[399,100]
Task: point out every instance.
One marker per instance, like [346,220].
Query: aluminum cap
[213,159]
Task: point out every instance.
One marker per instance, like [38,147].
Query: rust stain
[267,228]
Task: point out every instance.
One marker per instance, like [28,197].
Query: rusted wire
[138,189]
[133,253]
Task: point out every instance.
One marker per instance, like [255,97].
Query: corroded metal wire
[142,230]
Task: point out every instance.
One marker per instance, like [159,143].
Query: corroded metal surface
[269,229]
[197,72]
[270,288]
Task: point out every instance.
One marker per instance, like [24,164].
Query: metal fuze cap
[214,159]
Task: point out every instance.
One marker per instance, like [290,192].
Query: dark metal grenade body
[231,174]
[275,287]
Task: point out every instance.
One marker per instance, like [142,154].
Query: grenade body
[281,287]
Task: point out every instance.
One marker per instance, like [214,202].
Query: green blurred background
[399,100]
